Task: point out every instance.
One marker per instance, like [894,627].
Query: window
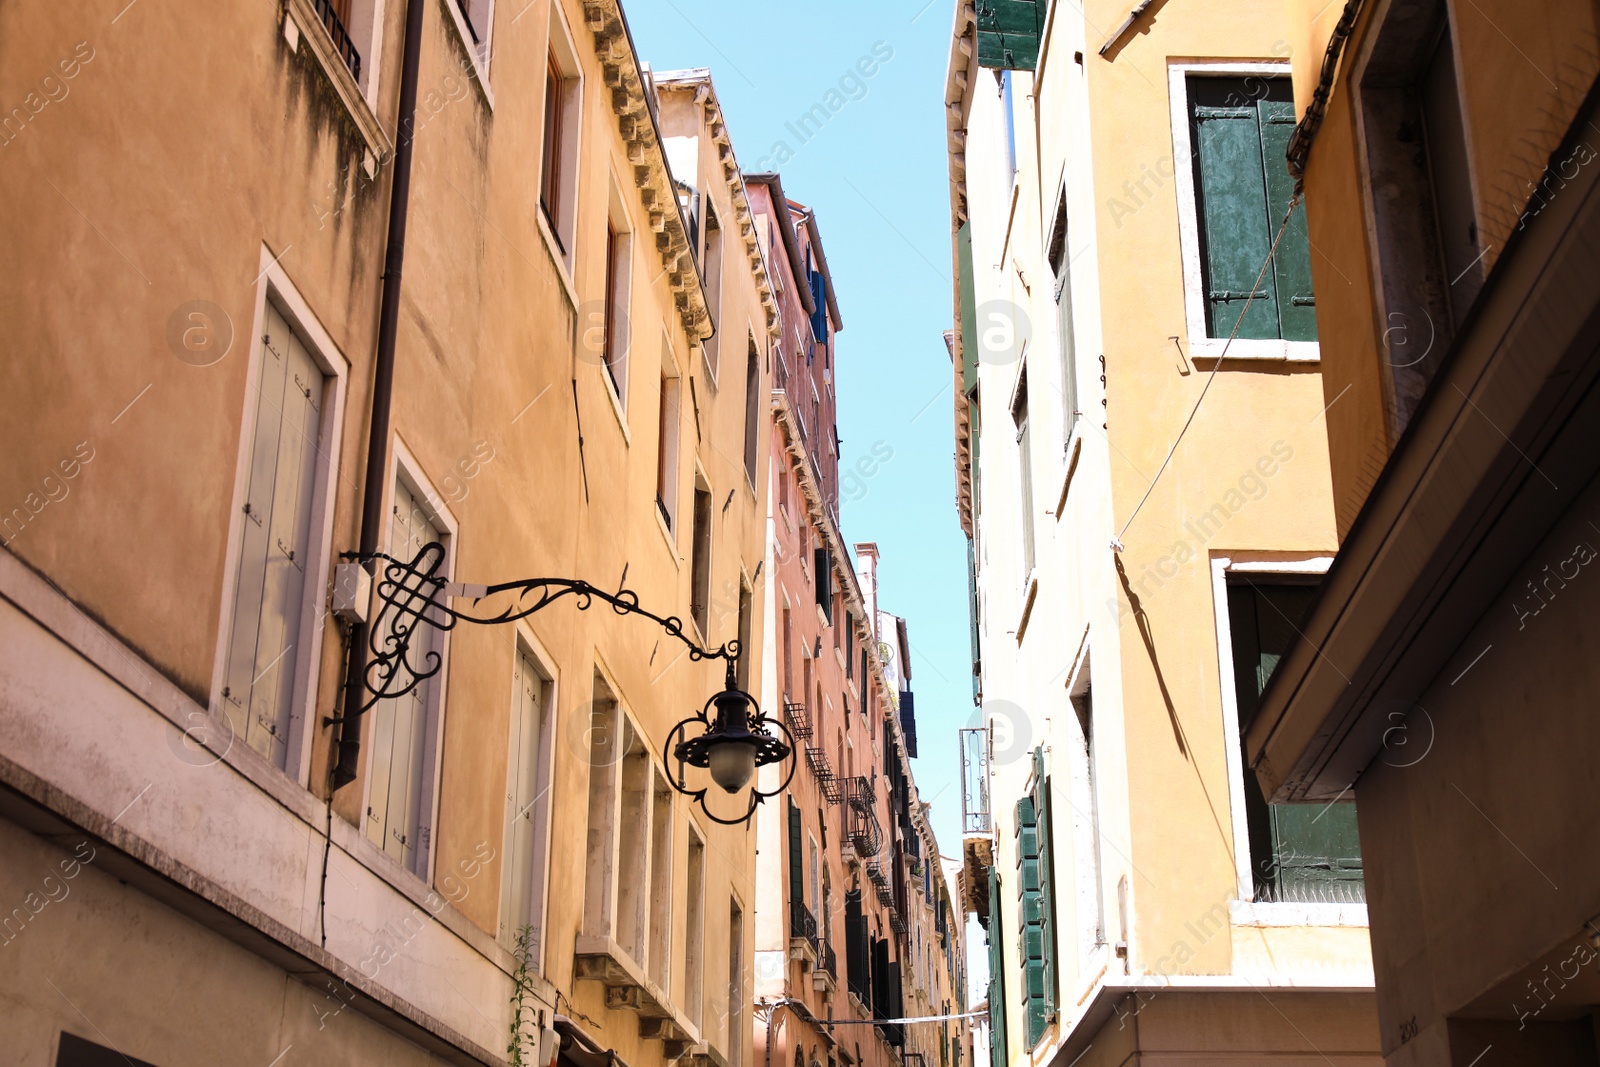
[1302,853]
[694,930]
[1036,911]
[849,645]
[700,568]
[400,726]
[667,439]
[629,841]
[787,652]
[1008,108]
[477,18]
[660,949]
[1425,243]
[618,275]
[824,584]
[735,1041]
[1061,266]
[1240,129]
[264,650]
[711,262]
[76,1052]
[752,410]
[1019,416]
[1080,755]
[747,651]
[527,809]
[558,172]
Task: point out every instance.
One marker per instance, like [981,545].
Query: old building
[856,930]
[219,389]
[1444,675]
[1142,472]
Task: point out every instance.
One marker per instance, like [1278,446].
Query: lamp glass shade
[732,764]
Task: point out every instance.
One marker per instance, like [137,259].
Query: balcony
[797,720]
[825,975]
[817,760]
[975,815]
[802,934]
[602,960]
[863,831]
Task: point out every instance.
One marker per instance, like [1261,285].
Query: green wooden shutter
[1030,921]
[997,974]
[797,889]
[1233,207]
[969,310]
[1009,33]
[1047,905]
[1291,266]
[265,630]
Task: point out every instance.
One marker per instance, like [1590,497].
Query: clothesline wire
[1294,201]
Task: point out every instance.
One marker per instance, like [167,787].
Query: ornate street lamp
[734,736]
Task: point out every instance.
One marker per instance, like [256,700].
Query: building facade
[1442,676]
[857,930]
[225,391]
[1143,476]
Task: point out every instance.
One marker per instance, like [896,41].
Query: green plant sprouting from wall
[521,1011]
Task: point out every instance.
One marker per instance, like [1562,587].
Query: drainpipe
[349,739]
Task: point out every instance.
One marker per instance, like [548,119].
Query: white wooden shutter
[276,539]
[524,807]
[394,802]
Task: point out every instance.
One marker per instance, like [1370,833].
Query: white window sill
[1074,446]
[480,70]
[303,25]
[666,533]
[618,406]
[1261,913]
[1030,593]
[563,265]
[1254,350]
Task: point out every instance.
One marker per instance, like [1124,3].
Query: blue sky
[875,173]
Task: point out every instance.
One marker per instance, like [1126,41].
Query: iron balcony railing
[975,813]
[827,961]
[341,38]
[801,922]
[864,831]
[798,721]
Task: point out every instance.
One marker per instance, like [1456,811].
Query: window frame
[274,285]
[481,53]
[668,474]
[617,257]
[1201,346]
[525,643]
[713,271]
[1244,909]
[560,233]
[404,467]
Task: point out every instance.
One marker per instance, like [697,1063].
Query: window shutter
[1031,929]
[521,817]
[1291,266]
[824,574]
[969,312]
[997,974]
[896,1034]
[259,683]
[1047,905]
[858,955]
[1233,208]
[819,301]
[395,805]
[797,889]
[880,979]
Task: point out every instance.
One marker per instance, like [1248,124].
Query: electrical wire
[1294,202]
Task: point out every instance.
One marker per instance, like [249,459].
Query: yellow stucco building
[1444,677]
[219,388]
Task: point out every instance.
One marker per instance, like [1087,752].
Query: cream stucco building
[1147,521]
